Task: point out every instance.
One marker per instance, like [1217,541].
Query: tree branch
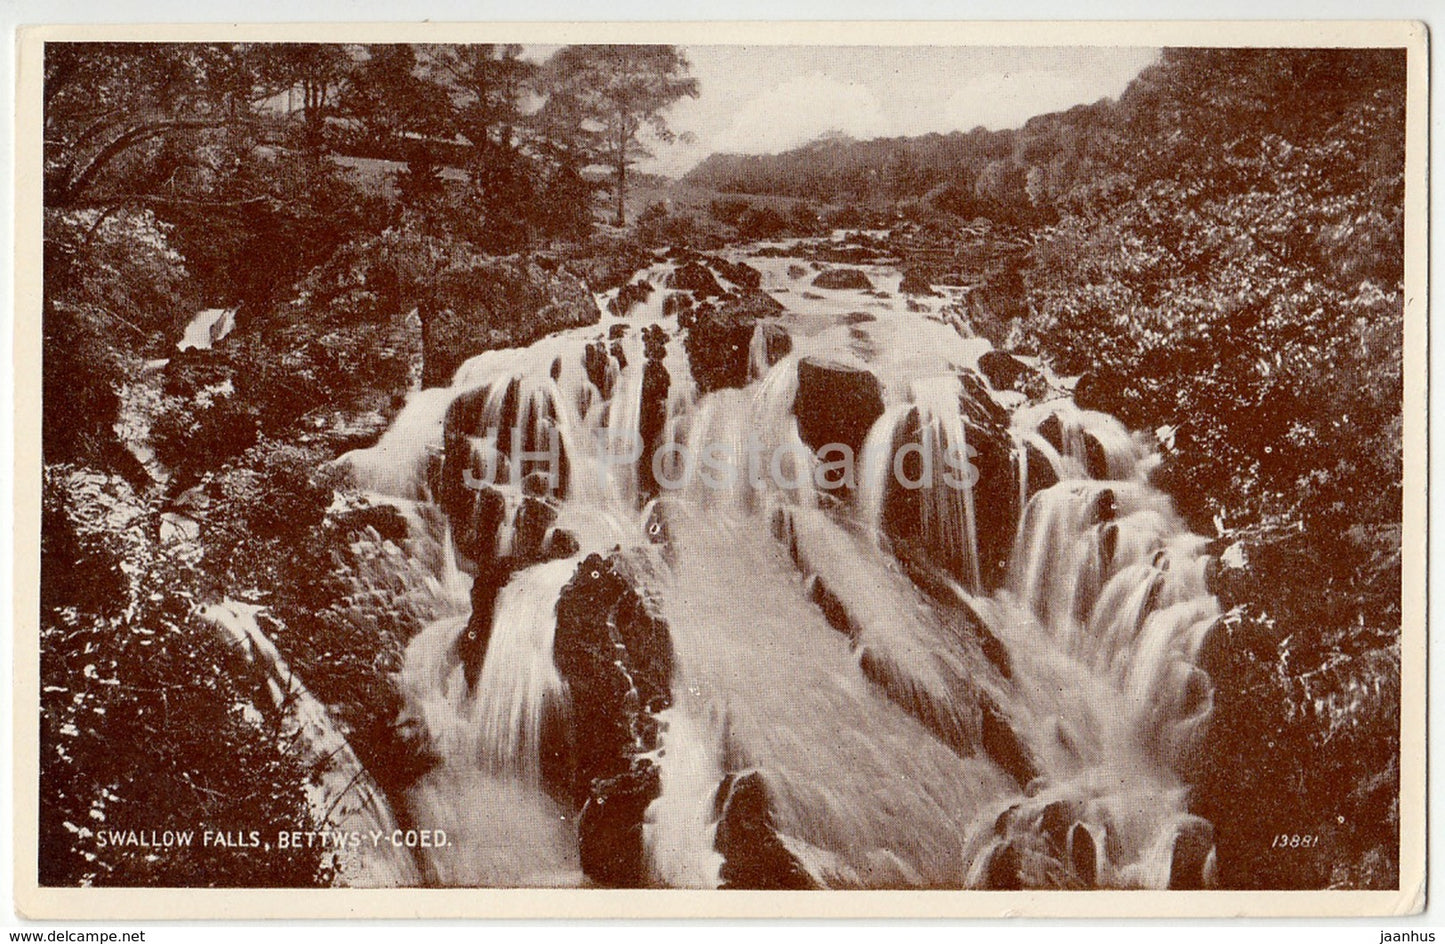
[126,141]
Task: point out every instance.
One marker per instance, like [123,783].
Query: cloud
[800,109]
[1008,99]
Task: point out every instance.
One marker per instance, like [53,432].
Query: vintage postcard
[890,469]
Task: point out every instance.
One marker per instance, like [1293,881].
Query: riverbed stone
[842,278]
[753,855]
[836,404]
[616,655]
[696,278]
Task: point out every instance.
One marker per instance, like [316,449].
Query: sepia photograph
[835,466]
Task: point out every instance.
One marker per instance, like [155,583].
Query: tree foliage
[148,720]
[1233,276]
[613,94]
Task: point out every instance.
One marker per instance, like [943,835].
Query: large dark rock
[916,282]
[719,344]
[738,273]
[490,577]
[836,403]
[492,303]
[994,480]
[629,296]
[842,279]
[1052,429]
[1188,863]
[753,855]
[616,656]
[1004,869]
[605,265]
[655,384]
[1003,745]
[529,530]
[676,303]
[777,343]
[388,523]
[751,303]
[1040,472]
[598,367]
[1006,372]
[696,278]
[609,832]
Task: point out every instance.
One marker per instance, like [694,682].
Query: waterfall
[974,665]
[206,328]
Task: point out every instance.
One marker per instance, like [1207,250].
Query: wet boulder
[629,297]
[609,831]
[995,499]
[1096,457]
[1037,468]
[833,610]
[719,345]
[993,478]
[490,577]
[1003,745]
[747,839]
[1004,869]
[752,303]
[1006,372]
[977,404]
[615,654]
[842,278]
[739,273]
[777,343]
[696,278]
[388,523]
[916,282]
[655,384]
[529,531]
[1082,851]
[1052,429]
[1189,863]
[836,404]
[598,367]
[676,303]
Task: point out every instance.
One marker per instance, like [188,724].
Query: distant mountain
[978,172]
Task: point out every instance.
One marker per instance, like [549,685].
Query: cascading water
[954,681]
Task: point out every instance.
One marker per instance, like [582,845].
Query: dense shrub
[148,719]
[761,222]
[1234,281]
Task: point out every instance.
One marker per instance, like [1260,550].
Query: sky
[766,99]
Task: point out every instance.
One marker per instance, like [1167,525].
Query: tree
[393,101]
[486,83]
[613,93]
